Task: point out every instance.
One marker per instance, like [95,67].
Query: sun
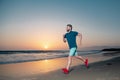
[46,46]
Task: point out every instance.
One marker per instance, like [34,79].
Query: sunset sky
[40,24]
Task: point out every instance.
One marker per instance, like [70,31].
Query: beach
[101,68]
[37,36]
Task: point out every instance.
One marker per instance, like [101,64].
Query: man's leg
[71,53]
[66,70]
[81,58]
[84,60]
[69,62]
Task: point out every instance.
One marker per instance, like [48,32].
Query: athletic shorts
[73,52]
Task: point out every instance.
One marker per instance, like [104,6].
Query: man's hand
[64,40]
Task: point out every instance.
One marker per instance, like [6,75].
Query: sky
[40,24]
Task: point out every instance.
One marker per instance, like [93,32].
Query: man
[70,37]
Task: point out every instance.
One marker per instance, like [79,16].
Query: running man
[70,37]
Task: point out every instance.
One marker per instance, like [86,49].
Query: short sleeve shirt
[71,38]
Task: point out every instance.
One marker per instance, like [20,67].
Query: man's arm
[80,36]
[64,39]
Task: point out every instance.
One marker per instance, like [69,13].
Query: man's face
[68,28]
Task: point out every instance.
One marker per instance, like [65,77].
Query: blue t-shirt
[71,38]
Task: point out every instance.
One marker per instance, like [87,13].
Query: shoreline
[40,59]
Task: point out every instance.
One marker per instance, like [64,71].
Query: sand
[101,68]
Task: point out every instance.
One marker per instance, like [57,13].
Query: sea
[19,56]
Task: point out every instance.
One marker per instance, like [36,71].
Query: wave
[27,56]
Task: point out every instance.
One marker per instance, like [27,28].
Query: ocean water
[8,57]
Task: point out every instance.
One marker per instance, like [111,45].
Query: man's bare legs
[66,70]
[69,62]
[81,58]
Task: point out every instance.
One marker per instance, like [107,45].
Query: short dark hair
[69,26]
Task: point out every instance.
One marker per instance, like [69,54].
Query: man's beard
[68,30]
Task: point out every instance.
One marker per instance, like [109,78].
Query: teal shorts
[73,51]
